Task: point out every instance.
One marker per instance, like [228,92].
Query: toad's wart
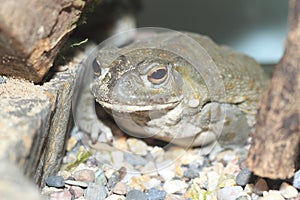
[177,87]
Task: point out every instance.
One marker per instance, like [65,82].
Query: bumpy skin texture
[182,89]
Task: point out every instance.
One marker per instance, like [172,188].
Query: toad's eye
[158,74]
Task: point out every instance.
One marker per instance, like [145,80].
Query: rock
[100,177]
[155,194]
[230,193]
[260,186]
[243,177]
[65,195]
[95,192]
[134,159]
[120,188]
[247,197]
[288,191]
[272,195]
[136,195]
[190,173]
[249,188]
[227,183]
[175,186]
[113,180]
[84,175]
[76,183]
[76,191]
[55,181]
[296,180]
[152,183]
[167,173]
[49,190]
[212,180]
[115,197]
[137,146]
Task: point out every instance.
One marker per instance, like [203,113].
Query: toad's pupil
[159,74]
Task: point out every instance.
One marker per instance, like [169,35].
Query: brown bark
[31,33]
[276,139]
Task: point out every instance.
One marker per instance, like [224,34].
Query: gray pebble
[113,180]
[243,177]
[55,181]
[296,180]
[2,80]
[190,173]
[155,194]
[134,159]
[136,195]
[95,192]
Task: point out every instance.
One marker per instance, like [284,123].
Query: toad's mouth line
[135,108]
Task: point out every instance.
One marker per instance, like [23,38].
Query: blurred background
[257,28]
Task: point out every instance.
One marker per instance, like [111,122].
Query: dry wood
[275,147]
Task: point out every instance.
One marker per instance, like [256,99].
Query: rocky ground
[133,169]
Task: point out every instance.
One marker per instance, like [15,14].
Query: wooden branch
[276,139]
[31,33]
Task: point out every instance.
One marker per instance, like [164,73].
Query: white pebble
[272,195]
[288,191]
[230,193]
[137,146]
[115,197]
[175,186]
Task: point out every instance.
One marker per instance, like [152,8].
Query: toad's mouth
[135,108]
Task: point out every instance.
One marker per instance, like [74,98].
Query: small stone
[137,146]
[212,180]
[113,180]
[288,191]
[55,181]
[76,183]
[167,174]
[155,194]
[136,195]
[152,183]
[76,191]
[65,195]
[71,143]
[149,168]
[135,159]
[272,195]
[249,188]
[100,177]
[227,183]
[84,175]
[175,186]
[49,190]
[120,188]
[296,180]
[115,197]
[243,177]
[260,186]
[65,174]
[247,197]
[95,192]
[190,173]
[2,80]
[230,193]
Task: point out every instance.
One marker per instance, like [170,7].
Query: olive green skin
[208,94]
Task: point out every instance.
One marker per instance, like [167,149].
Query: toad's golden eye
[158,74]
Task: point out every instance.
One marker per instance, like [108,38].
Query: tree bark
[276,140]
[32,32]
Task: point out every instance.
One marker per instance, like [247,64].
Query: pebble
[84,175]
[288,191]
[175,186]
[296,180]
[152,183]
[76,183]
[212,180]
[249,188]
[230,193]
[167,174]
[190,173]
[65,195]
[113,180]
[2,80]
[260,186]
[76,191]
[134,159]
[155,194]
[120,188]
[95,192]
[137,146]
[115,197]
[243,177]
[55,181]
[272,195]
[136,195]
[49,190]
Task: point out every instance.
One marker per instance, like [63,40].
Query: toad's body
[180,88]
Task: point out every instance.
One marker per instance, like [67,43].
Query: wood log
[276,140]
[32,32]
